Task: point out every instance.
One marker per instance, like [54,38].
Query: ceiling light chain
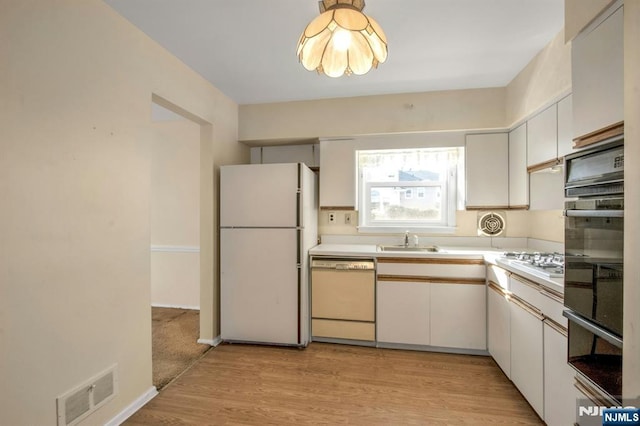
[342,40]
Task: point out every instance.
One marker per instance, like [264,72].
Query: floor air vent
[78,403]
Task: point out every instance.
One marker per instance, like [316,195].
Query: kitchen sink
[428,249]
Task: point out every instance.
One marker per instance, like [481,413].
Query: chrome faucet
[406,239]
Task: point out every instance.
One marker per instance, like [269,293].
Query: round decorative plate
[491,224]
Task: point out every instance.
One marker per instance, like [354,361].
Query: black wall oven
[594,239]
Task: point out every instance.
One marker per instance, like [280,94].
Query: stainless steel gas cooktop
[550,265]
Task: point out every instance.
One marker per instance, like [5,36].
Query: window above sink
[415,188]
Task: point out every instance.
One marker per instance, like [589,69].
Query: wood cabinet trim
[552,294]
[525,306]
[341,208]
[343,320]
[557,327]
[431,261]
[487,207]
[496,287]
[599,135]
[432,280]
[545,165]
[526,282]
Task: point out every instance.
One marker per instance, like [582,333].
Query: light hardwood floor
[337,384]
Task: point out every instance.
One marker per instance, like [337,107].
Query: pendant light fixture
[342,40]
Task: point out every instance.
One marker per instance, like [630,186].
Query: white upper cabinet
[565,126]
[487,170]
[518,176]
[597,76]
[542,137]
[308,154]
[337,174]
[547,191]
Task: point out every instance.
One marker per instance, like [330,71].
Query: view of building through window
[409,187]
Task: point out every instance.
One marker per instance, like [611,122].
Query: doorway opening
[175,209]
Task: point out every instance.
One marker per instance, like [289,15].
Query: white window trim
[412,229]
[451,203]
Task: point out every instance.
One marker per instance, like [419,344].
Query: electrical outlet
[347,218]
[332,217]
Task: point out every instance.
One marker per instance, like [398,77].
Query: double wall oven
[594,263]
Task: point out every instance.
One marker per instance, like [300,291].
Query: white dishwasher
[343,300]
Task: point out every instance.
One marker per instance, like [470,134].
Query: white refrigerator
[268,223]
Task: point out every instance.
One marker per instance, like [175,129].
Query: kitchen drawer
[526,290]
[552,306]
[336,329]
[429,267]
[499,276]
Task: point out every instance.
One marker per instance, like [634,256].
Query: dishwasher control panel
[343,264]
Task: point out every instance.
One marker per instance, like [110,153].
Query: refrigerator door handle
[299,223]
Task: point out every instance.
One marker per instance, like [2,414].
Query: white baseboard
[133,407]
[211,342]
[163,305]
[175,249]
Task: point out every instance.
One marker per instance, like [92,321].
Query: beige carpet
[175,347]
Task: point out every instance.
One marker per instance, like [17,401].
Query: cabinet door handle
[495,287]
[527,308]
[594,213]
[551,296]
[557,327]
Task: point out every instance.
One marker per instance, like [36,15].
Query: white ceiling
[247,48]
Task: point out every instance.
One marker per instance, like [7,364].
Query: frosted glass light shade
[342,41]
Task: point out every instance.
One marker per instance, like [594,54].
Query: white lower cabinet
[527,337]
[421,302]
[499,329]
[559,392]
[431,302]
[403,312]
[527,358]
[458,316]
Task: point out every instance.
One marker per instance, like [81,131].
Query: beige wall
[175,214]
[542,224]
[545,79]
[579,13]
[76,82]
[175,279]
[546,225]
[631,356]
[175,184]
[411,112]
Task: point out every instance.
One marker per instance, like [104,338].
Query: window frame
[450,199]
